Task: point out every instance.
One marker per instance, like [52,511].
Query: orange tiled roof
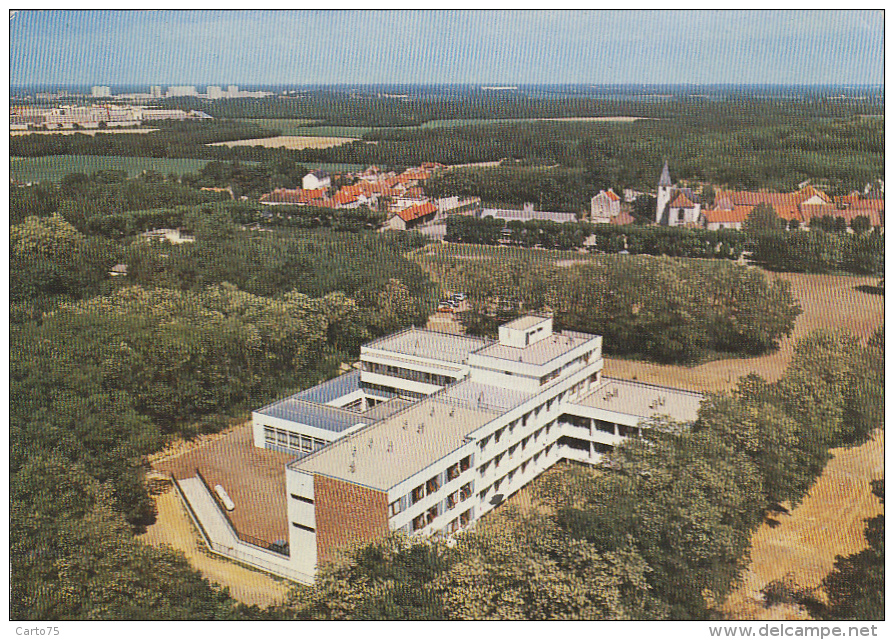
[622,218]
[736,214]
[612,195]
[417,211]
[682,201]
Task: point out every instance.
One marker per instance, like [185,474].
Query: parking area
[254,478]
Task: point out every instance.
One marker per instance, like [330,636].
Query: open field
[54,168]
[303,127]
[804,544]
[287,142]
[173,527]
[87,132]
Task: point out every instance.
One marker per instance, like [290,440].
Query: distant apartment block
[432,432]
[101,92]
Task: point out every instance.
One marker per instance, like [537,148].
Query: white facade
[101,92]
[605,206]
[316,180]
[443,428]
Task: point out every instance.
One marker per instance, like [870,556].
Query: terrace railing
[282,550]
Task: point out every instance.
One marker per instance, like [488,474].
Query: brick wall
[347,515]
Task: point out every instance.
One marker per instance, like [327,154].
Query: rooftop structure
[433,432]
[429,344]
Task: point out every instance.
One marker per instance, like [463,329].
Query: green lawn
[54,168]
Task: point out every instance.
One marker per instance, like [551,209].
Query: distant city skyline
[104,47]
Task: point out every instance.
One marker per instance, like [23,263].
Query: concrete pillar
[592,451]
[616,428]
[592,426]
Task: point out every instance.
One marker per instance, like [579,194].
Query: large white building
[433,432]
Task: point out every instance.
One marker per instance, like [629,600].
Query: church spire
[665,180]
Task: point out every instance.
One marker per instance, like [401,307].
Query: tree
[686,502]
[516,568]
[860,224]
[762,218]
[644,209]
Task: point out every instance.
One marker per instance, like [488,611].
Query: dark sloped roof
[665,180]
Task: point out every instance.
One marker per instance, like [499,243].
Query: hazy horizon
[423,47]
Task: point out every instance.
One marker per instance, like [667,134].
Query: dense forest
[359,106]
[660,309]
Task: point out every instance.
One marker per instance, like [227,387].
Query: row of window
[422,520]
[432,485]
[510,477]
[519,447]
[408,374]
[299,442]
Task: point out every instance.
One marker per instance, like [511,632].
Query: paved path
[174,527]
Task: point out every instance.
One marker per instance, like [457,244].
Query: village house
[605,206]
[316,180]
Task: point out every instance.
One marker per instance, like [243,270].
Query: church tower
[665,187]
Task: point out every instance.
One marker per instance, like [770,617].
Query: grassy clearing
[829,522]
[54,168]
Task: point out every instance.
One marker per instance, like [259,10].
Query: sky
[466,47]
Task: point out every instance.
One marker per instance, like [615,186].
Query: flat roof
[309,406]
[422,343]
[643,400]
[525,322]
[386,453]
[331,389]
[539,352]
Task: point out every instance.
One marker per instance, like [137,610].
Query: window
[453,499]
[466,492]
[465,464]
[497,435]
[497,461]
[483,469]
[395,507]
[465,518]
[304,527]
[453,472]
[302,499]
[319,444]
[294,441]
[417,494]
[307,443]
[453,527]
[418,522]
[432,485]
[269,435]
[431,515]
[512,451]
